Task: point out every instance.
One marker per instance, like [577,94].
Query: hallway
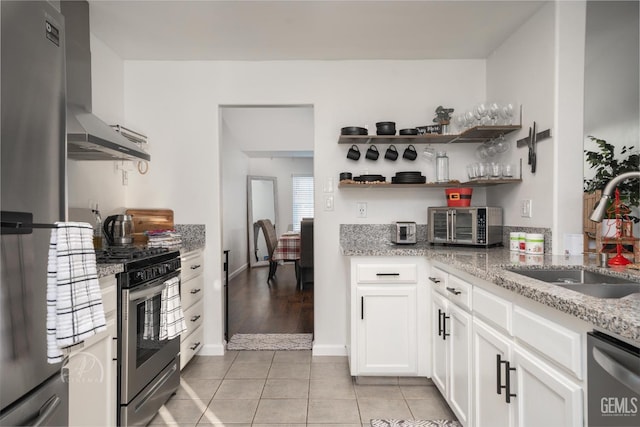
[256,307]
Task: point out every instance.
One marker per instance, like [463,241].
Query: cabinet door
[439,371]
[460,362]
[544,396]
[387,330]
[92,372]
[490,408]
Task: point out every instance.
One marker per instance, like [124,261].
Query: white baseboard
[329,350]
[212,350]
[238,271]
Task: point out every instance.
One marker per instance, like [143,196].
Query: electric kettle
[118,229]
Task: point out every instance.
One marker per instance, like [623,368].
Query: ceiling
[306,30]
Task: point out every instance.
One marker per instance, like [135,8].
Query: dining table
[288,249]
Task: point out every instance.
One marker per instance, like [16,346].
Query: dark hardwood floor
[256,307]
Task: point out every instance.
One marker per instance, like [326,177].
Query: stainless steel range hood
[88,137]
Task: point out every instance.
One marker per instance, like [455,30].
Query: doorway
[274,142]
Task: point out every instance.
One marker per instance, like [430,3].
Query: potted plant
[607,166]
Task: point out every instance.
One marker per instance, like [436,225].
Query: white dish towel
[74,299]
[172,321]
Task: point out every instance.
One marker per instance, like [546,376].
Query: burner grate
[115,254]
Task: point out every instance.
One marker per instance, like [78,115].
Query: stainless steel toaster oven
[469,226]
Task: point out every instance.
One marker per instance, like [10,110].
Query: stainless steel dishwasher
[613,381]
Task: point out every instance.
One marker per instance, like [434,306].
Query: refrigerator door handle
[20,223]
[47,410]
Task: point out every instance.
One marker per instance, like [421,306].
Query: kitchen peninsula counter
[620,316]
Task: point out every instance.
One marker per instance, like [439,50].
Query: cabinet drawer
[190,346]
[192,264]
[459,291]
[494,309]
[438,279]
[193,319]
[549,338]
[191,291]
[387,273]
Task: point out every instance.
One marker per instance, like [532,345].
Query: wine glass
[460,122]
[469,118]
[506,113]
[501,145]
[480,113]
[494,109]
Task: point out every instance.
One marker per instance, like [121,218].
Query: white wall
[282,168]
[178,102]
[235,169]
[541,67]
[612,110]
[99,181]
[521,71]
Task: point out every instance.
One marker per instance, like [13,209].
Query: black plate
[417,180]
[409,174]
[369,178]
[354,130]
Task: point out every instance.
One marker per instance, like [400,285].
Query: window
[302,189]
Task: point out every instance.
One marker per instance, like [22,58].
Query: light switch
[328,203]
[526,209]
[328,185]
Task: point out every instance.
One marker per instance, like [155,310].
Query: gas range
[141,264]
[126,254]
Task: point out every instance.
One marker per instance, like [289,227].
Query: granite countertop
[193,236]
[618,315]
[109,269]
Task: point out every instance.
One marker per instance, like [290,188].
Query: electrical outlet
[361,209]
[328,203]
[526,210]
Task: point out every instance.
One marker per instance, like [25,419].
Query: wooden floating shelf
[477,134]
[476,183]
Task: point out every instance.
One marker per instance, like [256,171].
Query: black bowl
[345,175]
[386,128]
[386,124]
[412,131]
[354,130]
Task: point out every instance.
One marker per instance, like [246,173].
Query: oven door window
[464,230]
[148,328]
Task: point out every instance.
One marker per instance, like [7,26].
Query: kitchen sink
[587,282]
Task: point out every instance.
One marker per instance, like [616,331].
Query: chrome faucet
[601,207]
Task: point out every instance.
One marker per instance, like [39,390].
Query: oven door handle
[144,294]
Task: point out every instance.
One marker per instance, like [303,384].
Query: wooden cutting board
[149,219]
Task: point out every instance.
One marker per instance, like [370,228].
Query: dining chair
[269,231]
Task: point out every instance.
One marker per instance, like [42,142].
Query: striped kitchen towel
[74,299]
[172,321]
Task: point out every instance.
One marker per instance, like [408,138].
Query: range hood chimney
[88,137]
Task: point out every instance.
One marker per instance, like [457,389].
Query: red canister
[458,196]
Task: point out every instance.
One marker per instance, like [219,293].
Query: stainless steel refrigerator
[32,392]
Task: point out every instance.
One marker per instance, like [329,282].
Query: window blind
[302,190]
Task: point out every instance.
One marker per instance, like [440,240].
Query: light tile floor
[292,388]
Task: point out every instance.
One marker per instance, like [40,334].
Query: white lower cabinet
[92,369]
[489,348]
[544,396]
[452,367]
[514,387]
[387,330]
[191,292]
[389,317]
